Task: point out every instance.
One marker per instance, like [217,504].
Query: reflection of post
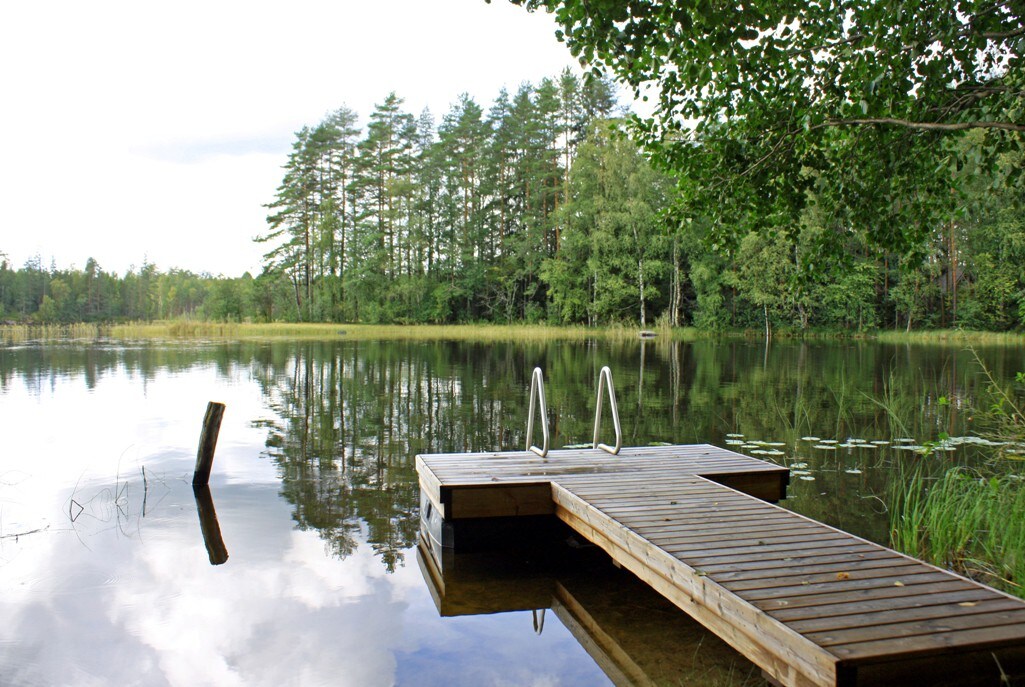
[208,523]
[207,443]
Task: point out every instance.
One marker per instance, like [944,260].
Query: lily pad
[853,471]
[810,439]
[807,478]
[825,447]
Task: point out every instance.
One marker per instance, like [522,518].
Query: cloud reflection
[143,606]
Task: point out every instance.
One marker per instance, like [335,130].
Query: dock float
[807,603]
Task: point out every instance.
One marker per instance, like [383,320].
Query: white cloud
[158,130]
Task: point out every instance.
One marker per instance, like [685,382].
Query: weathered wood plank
[920,599]
[828,565]
[932,644]
[501,500]
[712,605]
[799,591]
[888,615]
[911,628]
[861,570]
[808,603]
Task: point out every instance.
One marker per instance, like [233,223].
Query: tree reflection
[351,416]
[348,417]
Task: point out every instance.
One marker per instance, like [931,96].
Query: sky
[135,132]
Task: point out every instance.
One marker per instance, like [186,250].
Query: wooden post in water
[207,443]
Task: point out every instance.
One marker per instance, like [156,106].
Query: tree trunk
[640,279]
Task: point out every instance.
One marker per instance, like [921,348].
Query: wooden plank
[884,568]
[928,626]
[430,483]
[930,645]
[906,580]
[726,530]
[890,615]
[922,599]
[884,559]
[682,544]
[709,562]
[808,603]
[786,655]
[820,600]
[501,501]
[707,552]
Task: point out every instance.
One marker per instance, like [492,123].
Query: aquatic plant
[966,521]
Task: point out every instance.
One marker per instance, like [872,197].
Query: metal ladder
[537,396]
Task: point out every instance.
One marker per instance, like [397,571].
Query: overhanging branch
[927,126]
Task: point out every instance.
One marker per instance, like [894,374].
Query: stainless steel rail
[537,394]
[605,378]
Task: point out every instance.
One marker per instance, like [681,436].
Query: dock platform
[807,603]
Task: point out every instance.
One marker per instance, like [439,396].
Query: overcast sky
[157,130]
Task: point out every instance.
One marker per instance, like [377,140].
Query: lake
[111,576]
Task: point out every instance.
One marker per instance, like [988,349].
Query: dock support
[207,443]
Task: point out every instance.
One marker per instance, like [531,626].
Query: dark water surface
[107,578]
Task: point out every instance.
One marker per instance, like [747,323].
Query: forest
[542,208]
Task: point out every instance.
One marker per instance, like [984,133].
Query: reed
[363,332]
[20,333]
[175,329]
[965,521]
[946,337]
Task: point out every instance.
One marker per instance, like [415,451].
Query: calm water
[107,578]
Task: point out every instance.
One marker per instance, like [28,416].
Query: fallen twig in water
[22,534]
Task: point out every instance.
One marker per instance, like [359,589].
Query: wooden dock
[807,603]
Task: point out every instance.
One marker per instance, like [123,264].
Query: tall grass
[177,329]
[946,337]
[966,522]
[19,333]
[468,332]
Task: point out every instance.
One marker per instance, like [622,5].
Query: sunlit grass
[950,336]
[193,329]
[18,333]
[463,332]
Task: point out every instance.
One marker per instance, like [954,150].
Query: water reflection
[107,574]
[636,636]
[208,524]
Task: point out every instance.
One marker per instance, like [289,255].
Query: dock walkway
[807,603]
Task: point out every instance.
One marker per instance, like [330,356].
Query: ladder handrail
[605,377]
[537,392]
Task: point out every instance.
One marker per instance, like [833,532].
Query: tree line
[542,209]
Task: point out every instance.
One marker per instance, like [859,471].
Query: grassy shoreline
[326,332]
[186,329]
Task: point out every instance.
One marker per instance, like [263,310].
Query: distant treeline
[541,210]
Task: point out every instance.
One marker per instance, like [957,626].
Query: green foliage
[966,521]
[758,103]
[613,252]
